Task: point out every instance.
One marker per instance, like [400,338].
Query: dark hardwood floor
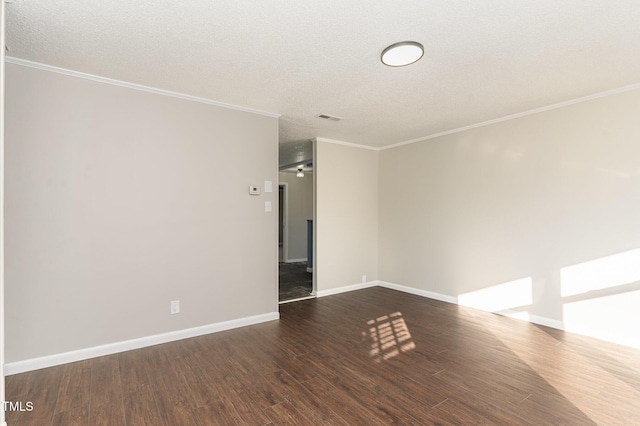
[294,282]
[368,357]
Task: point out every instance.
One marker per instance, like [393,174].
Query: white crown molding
[51,68]
[353,145]
[517,115]
[127,345]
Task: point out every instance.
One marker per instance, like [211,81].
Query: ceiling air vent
[329,117]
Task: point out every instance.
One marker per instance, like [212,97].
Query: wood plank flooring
[368,357]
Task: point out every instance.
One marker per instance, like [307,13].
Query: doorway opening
[295,233]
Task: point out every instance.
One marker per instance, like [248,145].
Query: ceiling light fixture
[401,54]
[300,173]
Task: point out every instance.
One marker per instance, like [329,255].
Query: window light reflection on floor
[614,318]
[390,337]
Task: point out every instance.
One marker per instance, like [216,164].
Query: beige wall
[347,215]
[527,200]
[299,205]
[2,163]
[119,201]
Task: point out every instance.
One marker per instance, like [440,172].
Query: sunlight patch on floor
[583,390]
[390,337]
[614,318]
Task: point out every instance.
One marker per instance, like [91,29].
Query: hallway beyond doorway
[294,281]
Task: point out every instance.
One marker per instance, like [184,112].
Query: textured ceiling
[483,59]
[294,153]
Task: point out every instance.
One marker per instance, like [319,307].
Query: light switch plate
[267,206]
[268,186]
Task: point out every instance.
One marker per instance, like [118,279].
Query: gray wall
[299,206]
[119,201]
[546,202]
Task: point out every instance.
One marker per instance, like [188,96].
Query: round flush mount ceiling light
[401,54]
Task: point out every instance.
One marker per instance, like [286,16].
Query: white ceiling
[483,59]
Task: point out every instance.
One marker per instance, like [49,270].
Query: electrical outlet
[175,307]
[364,279]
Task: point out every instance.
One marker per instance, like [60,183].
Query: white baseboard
[310,296]
[631,341]
[625,340]
[547,322]
[525,316]
[418,292]
[451,299]
[303,259]
[344,289]
[127,345]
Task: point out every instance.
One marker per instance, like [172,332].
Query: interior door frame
[314,254]
[285,219]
